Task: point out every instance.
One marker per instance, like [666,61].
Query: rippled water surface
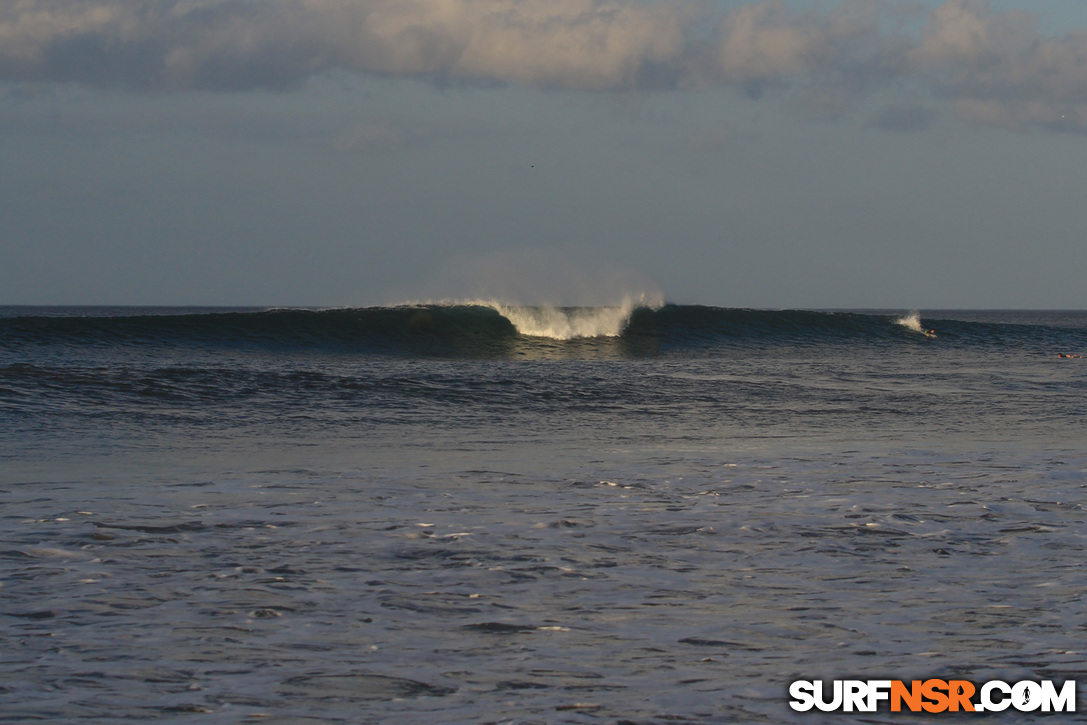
[560,532]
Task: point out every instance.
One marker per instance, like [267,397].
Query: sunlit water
[560,533]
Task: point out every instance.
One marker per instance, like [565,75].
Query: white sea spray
[568,323]
[911,321]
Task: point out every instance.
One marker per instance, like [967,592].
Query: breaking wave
[569,323]
[912,321]
[489,328]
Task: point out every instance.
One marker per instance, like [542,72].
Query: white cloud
[994,67]
[223,44]
[1000,70]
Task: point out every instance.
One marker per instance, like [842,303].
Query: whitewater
[481,511]
[558,322]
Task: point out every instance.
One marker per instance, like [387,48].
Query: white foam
[559,322]
[912,321]
[568,323]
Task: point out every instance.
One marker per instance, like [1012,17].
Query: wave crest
[569,323]
[912,321]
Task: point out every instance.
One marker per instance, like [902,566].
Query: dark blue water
[482,513]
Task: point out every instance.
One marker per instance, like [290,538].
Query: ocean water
[484,513]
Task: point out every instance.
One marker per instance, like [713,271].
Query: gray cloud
[769,42]
[237,44]
[995,68]
[999,70]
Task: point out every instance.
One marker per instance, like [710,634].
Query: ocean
[485,513]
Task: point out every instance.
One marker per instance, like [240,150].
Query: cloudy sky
[865,153]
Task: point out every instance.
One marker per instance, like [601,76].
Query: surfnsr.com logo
[933,696]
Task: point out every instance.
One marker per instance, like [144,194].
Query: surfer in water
[930,334]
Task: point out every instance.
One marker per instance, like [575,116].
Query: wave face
[492,329]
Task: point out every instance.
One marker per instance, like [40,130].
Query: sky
[875,154]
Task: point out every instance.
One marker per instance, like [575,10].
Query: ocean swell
[491,328]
